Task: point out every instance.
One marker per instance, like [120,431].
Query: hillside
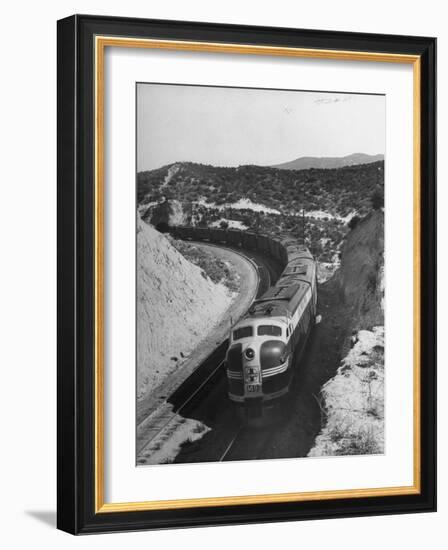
[304,163]
[337,191]
[177,306]
[263,200]
[360,276]
[353,400]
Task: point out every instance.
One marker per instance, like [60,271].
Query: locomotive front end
[257,362]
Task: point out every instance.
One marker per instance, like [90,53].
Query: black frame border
[75,272]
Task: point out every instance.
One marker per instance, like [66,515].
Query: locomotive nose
[272,353]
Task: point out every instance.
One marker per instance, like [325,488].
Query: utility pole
[303,223]
[303,219]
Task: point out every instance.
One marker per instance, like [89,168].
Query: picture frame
[82,195]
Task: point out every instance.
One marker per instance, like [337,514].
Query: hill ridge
[307,162]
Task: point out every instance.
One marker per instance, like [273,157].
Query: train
[266,345]
[277,248]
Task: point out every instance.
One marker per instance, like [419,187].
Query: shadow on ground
[48,517]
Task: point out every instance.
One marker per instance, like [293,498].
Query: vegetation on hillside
[352,402]
[337,191]
[212,266]
[208,194]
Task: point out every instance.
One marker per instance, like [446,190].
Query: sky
[237,126]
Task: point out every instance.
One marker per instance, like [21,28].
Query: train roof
[301,269]
[297,277]
[279,300]
[296,251]
[271,308]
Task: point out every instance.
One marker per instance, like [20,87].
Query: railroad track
[265,273]
[246,443]
[175,415]
[230,445]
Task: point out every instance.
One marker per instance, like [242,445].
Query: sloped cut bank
[353,400]
[177,306]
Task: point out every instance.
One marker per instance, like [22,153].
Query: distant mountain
[305,163]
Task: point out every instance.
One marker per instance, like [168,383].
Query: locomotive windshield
[243,332]
[269,330]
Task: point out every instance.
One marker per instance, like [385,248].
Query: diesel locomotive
[263,343]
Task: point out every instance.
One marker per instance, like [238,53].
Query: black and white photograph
[219,280]
[260,274]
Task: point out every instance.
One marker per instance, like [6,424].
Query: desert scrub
[337,191]
[212,267]
[353,401]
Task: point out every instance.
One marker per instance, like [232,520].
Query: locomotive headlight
[250,353]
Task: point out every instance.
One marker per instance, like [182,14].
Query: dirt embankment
[177,306]
[166,213]
[353,400]
[360,276]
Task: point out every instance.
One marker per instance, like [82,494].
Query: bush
[377,199]
[354,222]
[211,266]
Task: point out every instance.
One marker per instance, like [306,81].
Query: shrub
[354,222]
[211,266]
[377,199]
